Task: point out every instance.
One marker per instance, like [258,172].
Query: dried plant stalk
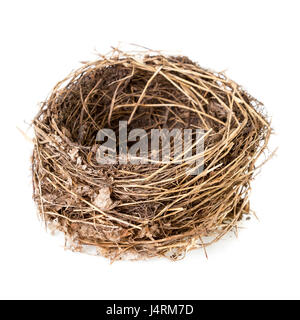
[145,210]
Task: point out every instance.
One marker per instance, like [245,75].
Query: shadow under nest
[145,210]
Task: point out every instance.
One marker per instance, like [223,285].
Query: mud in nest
[153,209]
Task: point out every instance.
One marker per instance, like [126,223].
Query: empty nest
[145,210]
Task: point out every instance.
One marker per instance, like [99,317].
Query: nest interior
[155,209]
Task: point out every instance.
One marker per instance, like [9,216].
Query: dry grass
[157,209]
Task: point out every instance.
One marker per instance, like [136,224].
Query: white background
[256,41]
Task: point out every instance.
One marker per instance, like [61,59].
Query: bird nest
[146,208]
